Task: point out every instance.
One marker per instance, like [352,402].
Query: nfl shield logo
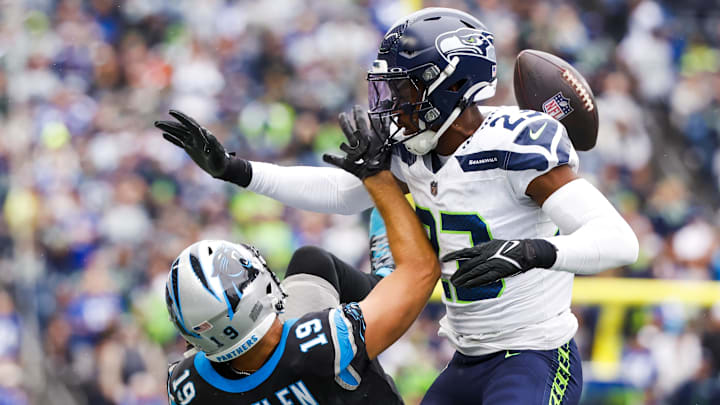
[433,188]
[557,106]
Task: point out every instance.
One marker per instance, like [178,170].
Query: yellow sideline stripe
[635,291]
[615,295]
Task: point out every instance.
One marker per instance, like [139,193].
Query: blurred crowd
[95,204]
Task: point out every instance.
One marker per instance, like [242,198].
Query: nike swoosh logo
[508,354]
[510,245]
[506,247]
[534,135]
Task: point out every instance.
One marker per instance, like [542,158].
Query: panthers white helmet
[222,297]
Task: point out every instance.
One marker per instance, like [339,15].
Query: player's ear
[457,85]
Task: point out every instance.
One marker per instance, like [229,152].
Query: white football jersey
[478,194]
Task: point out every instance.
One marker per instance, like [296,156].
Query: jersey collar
[212,377]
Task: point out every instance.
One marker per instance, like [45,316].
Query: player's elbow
[633,249]
[437,271]
[629,246]
[427,269]
[616,241]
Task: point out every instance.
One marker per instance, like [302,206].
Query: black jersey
[321,359]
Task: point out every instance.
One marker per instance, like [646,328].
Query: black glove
[490,261]
[204,149]
[368,152]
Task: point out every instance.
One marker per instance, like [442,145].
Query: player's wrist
[381,177]
[384,191]
[238,171]
[543,252]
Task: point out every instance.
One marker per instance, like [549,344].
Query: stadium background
[95,204]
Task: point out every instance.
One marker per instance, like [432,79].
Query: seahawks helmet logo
[467,42]
[391,39]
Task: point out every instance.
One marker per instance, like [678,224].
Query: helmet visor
[380,96]
[392,94]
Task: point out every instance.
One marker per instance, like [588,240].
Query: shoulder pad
[511,118]
[540,132]
[541,142]
[519,140]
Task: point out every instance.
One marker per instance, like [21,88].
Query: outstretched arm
[320,189]
[395,302]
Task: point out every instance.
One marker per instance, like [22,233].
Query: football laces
[579,89]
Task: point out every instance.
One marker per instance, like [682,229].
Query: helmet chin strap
[427,140]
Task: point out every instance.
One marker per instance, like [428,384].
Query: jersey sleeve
[537,148]
[331,343]
[171,397]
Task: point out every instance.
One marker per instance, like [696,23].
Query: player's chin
[406,132]
[407,124]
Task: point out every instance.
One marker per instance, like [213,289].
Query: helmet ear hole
[269,288]
[209,250]
[457,85]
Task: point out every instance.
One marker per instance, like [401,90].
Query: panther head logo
[235,272]
[467,42]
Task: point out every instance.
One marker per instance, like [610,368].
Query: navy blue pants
[522,377]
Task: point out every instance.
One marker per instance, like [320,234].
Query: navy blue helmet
[431,65]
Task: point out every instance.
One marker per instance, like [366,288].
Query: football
[545,82]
